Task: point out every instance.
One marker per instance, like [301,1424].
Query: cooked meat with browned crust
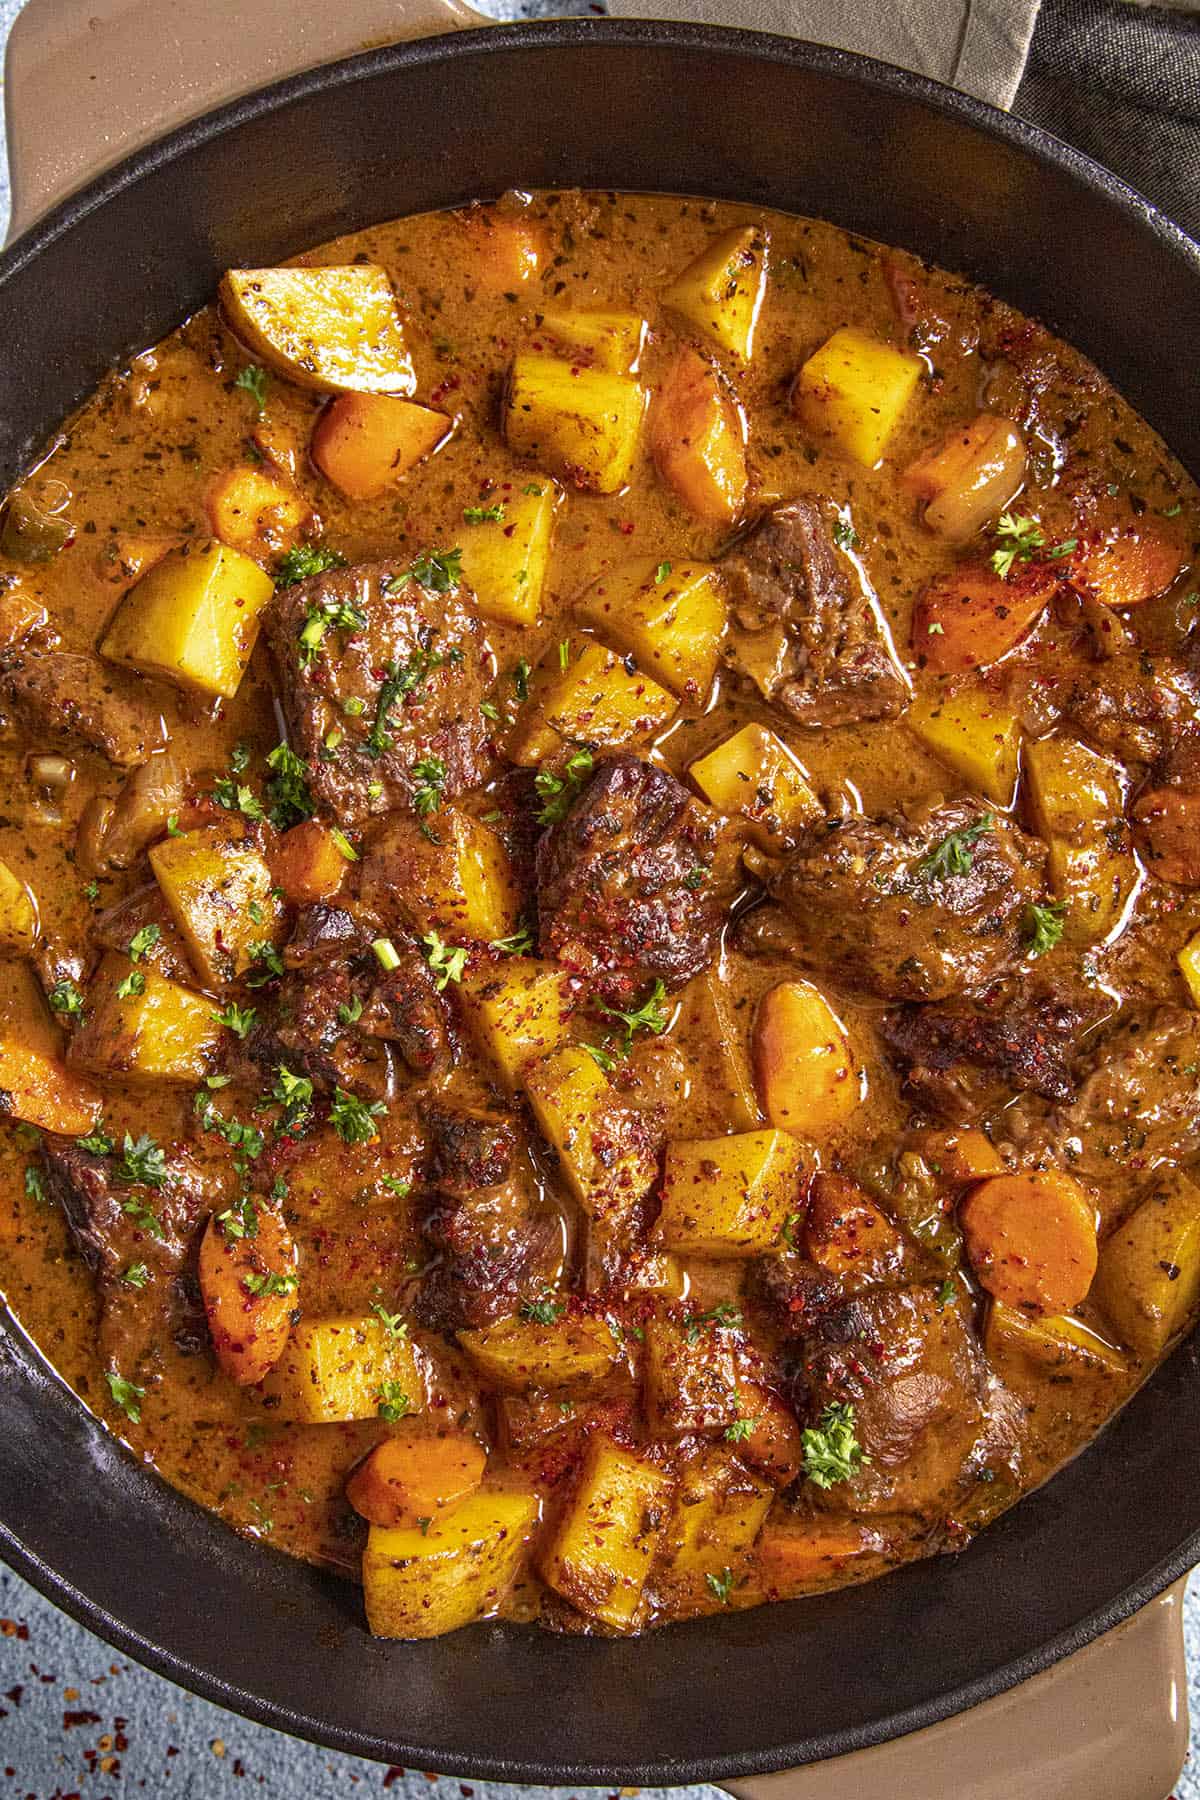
[962,1057]
[635,880]
[805,629]
[63,697]
[913,911]
[411,665]
[1135,707]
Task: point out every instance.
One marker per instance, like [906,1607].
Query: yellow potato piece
[18,914]
[192,618]
[710,1020]
[721,290]
[420,1584]
[807,1079]
[669,616]
[601,337]
[1189,966]
[854,390]
[729,1196]
[753,775]
[973,733]
[520,1353]
[1148,1280]
[582,423]
[221,895]
[333,329]
[1078,807]
[462,884]
[1050,1343]
[689,1378]
[576,1112]
[504,561]
[517,1011]
[164,1033]
[595,699]
[600,1554]
[347,1368]
[719,1510]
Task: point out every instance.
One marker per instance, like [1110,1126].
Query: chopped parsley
[947,1294]
[320,616]
[445,963]
[136,1275]
[238,1019]
[521,679]
[97,1142]
[267,956]
[271,1281]
[544,1312]
[720,1586]
[142,1162]
[1044,926]
[1020,539]
[342,844]
[438,571]
[295,1094]
[91,892]
[651,1016]
[142,941]
[725,1316]
[35,1187]
[394,1403]
[519,944]
[354,1119]
[235,796]
[558,791]
[143,1217]
[845,536]
[953,855]
[240,1221]
[133,984]
[401,679]
[832,1453]
[392,1323]
[739,1431]
[305,560]
[396,1184]
[126,1394]
[288,795]
[350,1011]
[253,381]
[603,1059]
[661,573]
[66,998]
[428,778]
[484,515]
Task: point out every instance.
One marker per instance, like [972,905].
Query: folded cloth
[977,45]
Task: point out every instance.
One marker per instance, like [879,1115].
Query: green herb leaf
[288,792]
[126,1394]
[484,515]
[558,791]
[304,561]
[134,983]
[832,1453]
[394,1403]
[650,1016]
[142,941]
[35,1187]
[519,944]
[354,1119]
[947,1294]
[295,1094]
[238,1019]
[721,1586]
[400,680]
[235,796]
[253,381]
[97,1142]
[1044,925]
[66,998]
[953,855]
[142,1162]
[396,1184]
[270,1281]
[136,1275]
[725,1316]
[393,1323]
[844,535]
[445,963]
[350,1011]
[661,573]
[428,778]
[544,1311]
[439,571]
[240,1221]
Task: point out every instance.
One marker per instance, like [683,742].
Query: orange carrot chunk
[37,1089]
[972,616]
[1031,1238]
[413,1476]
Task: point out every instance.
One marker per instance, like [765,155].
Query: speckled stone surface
[79,1722]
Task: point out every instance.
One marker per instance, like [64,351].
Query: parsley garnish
[484,515]
[1044,926]
[521,679]
[947,1294]
[832,1453]
[394,1403]
[1020,539]
[721,1586]
[306,560]
[401,679]
[35,1188]
[558,791]
[287,790]
[725,1316]
[350,1011]
[661,573]
[142,1162]
[237,1019]
[126,1394]
[436,570]
[953,855]
[354,1119]
[66,998]
[133,984]
[739,1431]
[264,952]
[235,796]
[519,944]
[142,941]
[253,381]
[240,1221]
[271,1281]
[91,892]
[319,616]
[603,1059]
[651,1016]
[396,1184]
[294,1093]
[428,778]
[845,536]
[446,963]
[392,1323]
[97,1142]
[136,1275]
[544,1311]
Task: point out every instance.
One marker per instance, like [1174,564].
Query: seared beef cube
[963,1057]
[306,1024]
[412,675]
[917,1382]
[806,629]
[469,1148]
[325,934]
[486,1268]
[635,879]
[1135,707]
[913,911]
[67,698]
[405,1009]
[794,1291]
[1166,815]
[117,926]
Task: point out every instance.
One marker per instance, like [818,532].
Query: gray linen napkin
[977,45]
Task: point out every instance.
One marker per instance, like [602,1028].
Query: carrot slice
[362,443]
[1031,1238]
[248,1285]
[795,1556]
[1128,564]
[39,1090]
[413,1476]
[307,863]
[971,616]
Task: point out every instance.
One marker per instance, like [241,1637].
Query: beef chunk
[963,1057]
[808,633]
[405,1009]
[917,1382]
[117,926]
[913,911]
[1166,815]
[419,667]
[635,879]
[325,934]
[65,697]
[1137,1106]
[1135,707]
[794,1292]
[134,1320]
[469,1148]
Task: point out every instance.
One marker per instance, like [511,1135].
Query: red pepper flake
[394,1774]
[83,1717]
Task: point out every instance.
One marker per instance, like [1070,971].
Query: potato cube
[698,439]
[854,390]
[38,1090]
[753,775]
[192,618]
[222,897]
[670,618]
[253,511]
[416,1476]
[363,443]
[807,1079]
[721,290]
[422,1582]
[689,1377]
[309,863]
[582,423]
[605,1155]
[600,1554]
[1078,807]
[595,699]
[1148,1280]
[503,249]
[1189,965]
[504,561]
[517,1012]
[18,914]
[729,1196]
[975,734]
[333,329]
[350,1368]
[462,884]
[959,1154]
[714,1032]
[1055,1344]
[248,1329]
[163,1032]
[601,337]
[520,1353]
[719,1510]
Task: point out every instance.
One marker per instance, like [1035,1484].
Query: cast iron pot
[433,124]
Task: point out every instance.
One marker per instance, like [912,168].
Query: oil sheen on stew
[600,868]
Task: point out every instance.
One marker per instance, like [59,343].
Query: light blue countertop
[80,1722]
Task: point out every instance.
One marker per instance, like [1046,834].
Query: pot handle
[88,81]
[1111,1719]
